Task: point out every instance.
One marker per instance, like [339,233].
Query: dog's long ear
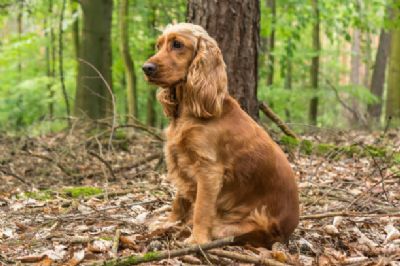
[206,80]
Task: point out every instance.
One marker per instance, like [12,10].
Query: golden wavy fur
[231,178]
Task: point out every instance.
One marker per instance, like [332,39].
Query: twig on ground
[246,258]
[101,159]
[114,109]
[348,214]
[144,128]
[11,173]
[75,216]
[277,120]
[114,250]
[380,173]
[156,256]
[44,157]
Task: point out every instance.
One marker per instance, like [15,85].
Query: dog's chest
[180,159]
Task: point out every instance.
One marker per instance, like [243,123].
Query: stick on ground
[246,258]
[277,120]
[156,256]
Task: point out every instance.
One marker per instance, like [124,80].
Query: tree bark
[127,59]
[315,63]
[75,27]
[20,117]
[378,74]
[151,117]
[393,92]
[61,62]
[235,26]
[271,4]
[92,99]
[50,59]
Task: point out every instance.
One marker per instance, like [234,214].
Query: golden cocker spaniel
[232,179]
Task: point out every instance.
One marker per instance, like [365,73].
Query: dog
[232,179]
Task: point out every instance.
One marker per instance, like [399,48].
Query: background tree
[315,62]
[271,4]
[235,26]
[378,74]
[127,59]
[393,93]
[92,99]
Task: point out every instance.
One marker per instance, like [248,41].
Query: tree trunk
[61,62]
[288,84]
[393,92]
[93,100]
[151,117]
[271,4]
[50,59]
[75,26]
[20,117]
[315,63]
[127,59]
[235,26]
[355,61]
[378,74]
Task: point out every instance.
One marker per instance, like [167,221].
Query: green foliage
[77,192]
[25,84]
[41,195]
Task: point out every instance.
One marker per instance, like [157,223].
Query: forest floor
[65,199]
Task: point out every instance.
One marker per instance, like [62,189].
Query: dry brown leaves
[59,229]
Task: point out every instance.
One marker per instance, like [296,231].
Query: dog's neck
[176,96]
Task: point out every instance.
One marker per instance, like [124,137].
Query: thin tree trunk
[393,92]
[288,84]
[75,27]
[271,4]
[368,59]
[93,100]
[61,63]
[127,59]
[50,58]
[355,61]
[20,117]
[235,26]
[315,63]
[151,117]
[378,74]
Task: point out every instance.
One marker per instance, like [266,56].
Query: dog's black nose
[149,68]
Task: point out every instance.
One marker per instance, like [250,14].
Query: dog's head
[189,57]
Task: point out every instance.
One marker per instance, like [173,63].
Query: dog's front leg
[208,188]
[180,209]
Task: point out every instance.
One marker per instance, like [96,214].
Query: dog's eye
[177,45]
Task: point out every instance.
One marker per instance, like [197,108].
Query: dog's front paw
[193,240]
[162,223]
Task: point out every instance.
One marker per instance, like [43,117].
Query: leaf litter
[62,205]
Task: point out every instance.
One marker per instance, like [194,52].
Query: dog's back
[260,189]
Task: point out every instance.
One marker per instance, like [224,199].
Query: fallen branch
[348,214]
[101,159]
[114,250]
[9,173]
[156,256]
[276,119]
[246,258]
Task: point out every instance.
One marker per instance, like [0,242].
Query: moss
[306,146]
[324,148]
[375,151]
[290,142]
[77,192]
[39,195]
[150,256]
[396,158]
[120,135]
